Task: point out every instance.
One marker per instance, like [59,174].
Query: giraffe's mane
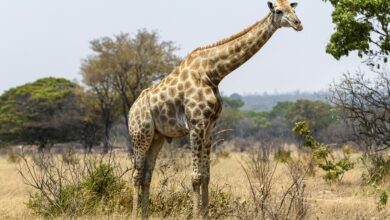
[228,39]
[231,38]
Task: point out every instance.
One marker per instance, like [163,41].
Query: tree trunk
[125,110]
[107,127]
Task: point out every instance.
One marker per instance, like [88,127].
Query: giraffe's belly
[173,127]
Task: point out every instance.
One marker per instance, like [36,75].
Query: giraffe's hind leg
[150,162]
[140,149]
[142,134]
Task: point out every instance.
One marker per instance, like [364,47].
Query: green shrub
[178,204]
[68,200]
[101,190]
[96,187]
[377,168]
[323,154]
[102,182]
[383,198]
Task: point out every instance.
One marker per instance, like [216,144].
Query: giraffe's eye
[279,12]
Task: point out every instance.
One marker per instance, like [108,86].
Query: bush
[178,204]
[96,186]
[290,203]
[323,155]
[383,198]
[68,186]
[377,168]
[100,191]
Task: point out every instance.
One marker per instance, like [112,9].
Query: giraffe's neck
[227,56]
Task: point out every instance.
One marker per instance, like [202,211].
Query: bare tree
[129,65]
[365,105]
[268,203]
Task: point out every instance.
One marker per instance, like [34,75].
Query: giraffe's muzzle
[297,25]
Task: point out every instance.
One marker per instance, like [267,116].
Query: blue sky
[50,38]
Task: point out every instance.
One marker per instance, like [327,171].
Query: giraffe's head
[284,14]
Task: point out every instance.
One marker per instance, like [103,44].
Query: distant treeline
[324,119]
[264,102]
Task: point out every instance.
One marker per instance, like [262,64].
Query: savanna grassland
[348,199]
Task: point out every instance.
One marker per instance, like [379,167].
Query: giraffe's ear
[271,6]
[294,4]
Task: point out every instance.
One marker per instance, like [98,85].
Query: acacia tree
[43,112]
[361,26]
[127,66]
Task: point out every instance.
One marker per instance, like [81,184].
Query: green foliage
[102,183]
[323,154]
[377,168]
[39,113]
[228,118]
[278,122]
[362,26]
[234,103]
[281,109]
[317,114]
[101,191]
[258,119]
[178,204]
[94,186]
[283,156]
[383,198]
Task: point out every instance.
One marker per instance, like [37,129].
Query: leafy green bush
[323,154]
[383,198]
[101,191]
[95,186]
[178,204]
[377,168]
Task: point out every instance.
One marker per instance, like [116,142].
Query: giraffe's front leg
[139,160]
[205,176]
[196,145]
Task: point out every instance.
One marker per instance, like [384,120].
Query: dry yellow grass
[13,192]
[338,201]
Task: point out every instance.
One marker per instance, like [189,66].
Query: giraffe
[188,102]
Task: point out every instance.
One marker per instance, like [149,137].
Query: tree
[280,110]
[100,82]
[232,103]
[365,105]
[130,65]
[317,114]
[43,112]
[90,128]
[362,26]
